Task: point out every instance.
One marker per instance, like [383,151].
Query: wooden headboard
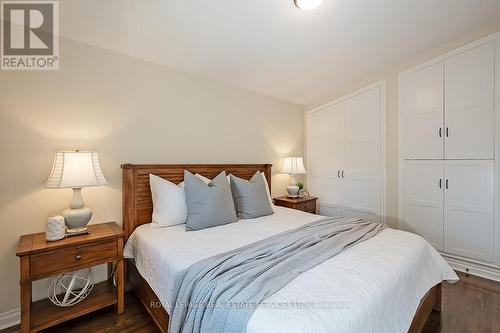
[137,204]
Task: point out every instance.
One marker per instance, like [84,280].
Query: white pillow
[205,179]
[169,202]
[267,189]
[208,180]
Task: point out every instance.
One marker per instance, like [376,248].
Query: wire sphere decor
[71,288]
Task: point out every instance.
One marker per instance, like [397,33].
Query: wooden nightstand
[41,259]
[304,204]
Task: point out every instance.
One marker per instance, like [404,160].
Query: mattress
[374,286]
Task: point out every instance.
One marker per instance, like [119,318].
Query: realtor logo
[29,35]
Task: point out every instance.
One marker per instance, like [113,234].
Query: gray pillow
[250,197]
[209,205]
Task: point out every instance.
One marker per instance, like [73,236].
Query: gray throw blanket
[220,294]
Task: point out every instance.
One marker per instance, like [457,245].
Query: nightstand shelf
[44,314]
[307,204]
[41,259]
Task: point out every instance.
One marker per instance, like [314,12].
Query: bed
[389,283]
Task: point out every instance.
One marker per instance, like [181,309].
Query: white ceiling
[269,46]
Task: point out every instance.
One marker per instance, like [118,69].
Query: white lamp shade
[293,166]
[76,169]
[308,4]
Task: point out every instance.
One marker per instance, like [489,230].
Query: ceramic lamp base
[77,218]
[77,215]
[293,191]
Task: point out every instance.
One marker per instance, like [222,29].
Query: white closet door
[361,171]
[423,200]
[325,149]
[423,113]
[469,104]
[468,209]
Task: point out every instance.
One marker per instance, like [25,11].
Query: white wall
[130,111]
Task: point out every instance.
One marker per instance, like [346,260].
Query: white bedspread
[375,286]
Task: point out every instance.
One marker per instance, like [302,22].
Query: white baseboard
[486,272]
[10,318]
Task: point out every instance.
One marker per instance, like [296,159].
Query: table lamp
[76,169]
[293,166]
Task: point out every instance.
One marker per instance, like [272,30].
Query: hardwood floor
[135,319]
[472,305]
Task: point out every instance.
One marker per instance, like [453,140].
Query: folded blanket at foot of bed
[220,294]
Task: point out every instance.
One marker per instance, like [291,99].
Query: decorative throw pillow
[169,202]
[208,180]
[209,205]
[250,197]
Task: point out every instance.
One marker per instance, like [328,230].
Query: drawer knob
[78,257]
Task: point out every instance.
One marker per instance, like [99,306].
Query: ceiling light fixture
[307,4]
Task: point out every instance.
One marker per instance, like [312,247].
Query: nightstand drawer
[72,256]
[307,206]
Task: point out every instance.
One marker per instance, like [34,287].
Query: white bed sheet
[374,286]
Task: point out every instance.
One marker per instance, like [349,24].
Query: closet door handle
[446,184]
[440,183]
[342,173]
[439,132]
[338,173]
[447,132]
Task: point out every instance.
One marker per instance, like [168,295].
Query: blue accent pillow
[209,205]
[250,197]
